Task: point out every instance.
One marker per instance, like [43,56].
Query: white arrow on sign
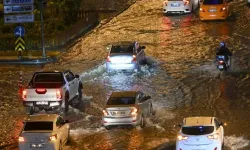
[17,2]
[19,18]
[18,9]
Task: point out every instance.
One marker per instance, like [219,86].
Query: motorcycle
[222,64]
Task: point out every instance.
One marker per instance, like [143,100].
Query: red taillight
[53,137]
[24,94]
[202,10]
[134,111]
[223,9]
[105,113]
[41,91]
[221,62]
[20,139]
[134,58]
[108,59]
[186,2]
[58,94]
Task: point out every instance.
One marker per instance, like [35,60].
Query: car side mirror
[77,76]
[143,47]
[178,125]
[108,48]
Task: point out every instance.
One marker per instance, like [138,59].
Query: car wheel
[29,110]
[66,104]
[60,146]
[67,142]
[79,94]
[151,110]
[142,122]
[107,127]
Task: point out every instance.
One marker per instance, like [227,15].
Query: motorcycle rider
[223,50]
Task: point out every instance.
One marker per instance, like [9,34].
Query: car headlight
[180,137]
[215,136]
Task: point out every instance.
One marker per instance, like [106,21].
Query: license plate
[118,113]
[42,103]
[212,10]
[220,66]
[175,5]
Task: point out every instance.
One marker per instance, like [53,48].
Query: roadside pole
[20,84]
[42,29]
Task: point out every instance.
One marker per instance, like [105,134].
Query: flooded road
[180,75]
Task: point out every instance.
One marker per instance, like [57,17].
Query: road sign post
[18,11]
[42,28]
[19,46]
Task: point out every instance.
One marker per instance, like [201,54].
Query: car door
[142,103]
[61,129]
[74,83]
[138,51]
[70,83]
[219,129]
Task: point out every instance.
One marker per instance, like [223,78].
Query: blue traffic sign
[17,2]
[19,31]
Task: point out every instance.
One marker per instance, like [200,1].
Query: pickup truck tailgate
[42,95]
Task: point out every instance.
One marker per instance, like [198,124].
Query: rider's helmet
[222,44]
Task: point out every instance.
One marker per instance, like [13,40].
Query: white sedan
[44,131]
[203,133]
[180,6]
[125,55]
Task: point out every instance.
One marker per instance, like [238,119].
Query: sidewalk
[28,57]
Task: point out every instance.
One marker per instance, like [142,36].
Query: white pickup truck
[52,90]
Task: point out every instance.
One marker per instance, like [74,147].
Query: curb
[38,61]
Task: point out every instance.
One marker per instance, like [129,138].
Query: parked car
[127,108]
[180,6]
[125,56]
[52,90]
[215,9]
[205,133]
[43,131]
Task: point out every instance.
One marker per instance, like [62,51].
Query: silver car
[44,131]
[125,56]
[127,108]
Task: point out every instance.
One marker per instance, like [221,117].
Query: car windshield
[212,2]
[33,126]
[121,100]
[48,77]
[198,130]
[122,49]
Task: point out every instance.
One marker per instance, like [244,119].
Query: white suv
[203,133]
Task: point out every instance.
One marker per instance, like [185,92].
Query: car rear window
[198,130]
[121,100]
[212,2]
[48,77]
[122,49]
[33,126]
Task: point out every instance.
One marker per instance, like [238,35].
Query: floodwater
[180,75]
